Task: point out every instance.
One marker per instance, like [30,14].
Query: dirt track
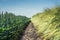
[30,33]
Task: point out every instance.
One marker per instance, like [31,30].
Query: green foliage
[47,24]
[12,26]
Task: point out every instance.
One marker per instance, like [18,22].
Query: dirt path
[30,33]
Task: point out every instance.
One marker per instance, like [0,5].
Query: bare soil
[30,33]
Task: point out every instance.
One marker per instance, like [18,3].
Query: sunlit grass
[48,23]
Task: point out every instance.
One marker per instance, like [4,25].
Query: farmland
[41,26]
[12,26]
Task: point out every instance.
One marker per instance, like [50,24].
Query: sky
[26,7]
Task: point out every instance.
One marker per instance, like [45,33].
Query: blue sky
[26,7]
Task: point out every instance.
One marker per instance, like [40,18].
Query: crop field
[12,26]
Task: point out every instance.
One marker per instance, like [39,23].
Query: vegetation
[47,24]
[12,26]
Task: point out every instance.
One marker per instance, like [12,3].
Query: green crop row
[12,26]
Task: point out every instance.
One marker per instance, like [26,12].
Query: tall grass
[47,23]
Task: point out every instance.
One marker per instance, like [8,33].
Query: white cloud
[23,11]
